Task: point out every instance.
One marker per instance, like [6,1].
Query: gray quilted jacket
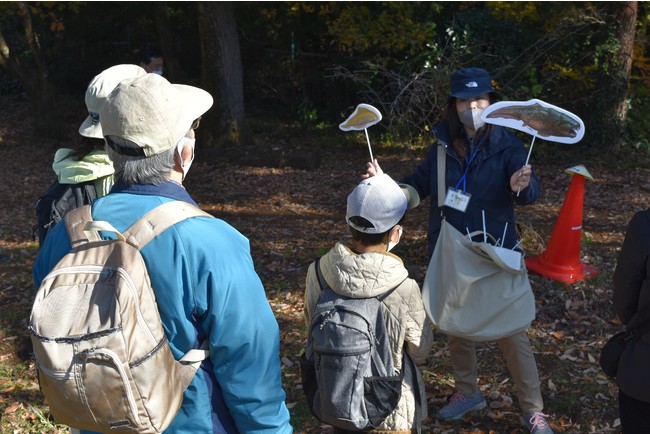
[369,275]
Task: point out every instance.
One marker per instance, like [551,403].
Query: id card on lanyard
[456,198]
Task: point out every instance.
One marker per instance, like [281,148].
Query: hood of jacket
[70,170]
[361,275]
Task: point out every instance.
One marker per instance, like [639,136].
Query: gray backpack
[347,370]
[103,359]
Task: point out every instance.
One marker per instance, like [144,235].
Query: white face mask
[399,237]
[157,71]
[179,150]
[472,119]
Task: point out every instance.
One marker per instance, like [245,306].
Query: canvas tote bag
[470,291]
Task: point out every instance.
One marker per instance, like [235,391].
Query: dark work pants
[634,414]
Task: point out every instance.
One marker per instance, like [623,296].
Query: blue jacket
[206,287]
[488,182]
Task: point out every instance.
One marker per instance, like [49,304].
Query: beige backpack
[103,359]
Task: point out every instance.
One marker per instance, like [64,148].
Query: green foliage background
[312,62]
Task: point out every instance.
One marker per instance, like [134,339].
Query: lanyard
[463,179]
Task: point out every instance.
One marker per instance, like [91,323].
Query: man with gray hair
[201,268]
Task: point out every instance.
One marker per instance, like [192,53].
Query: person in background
[485,172]
[150,58]
[90,161]
[632,304]
[83,172]
[201,269]
[365,268]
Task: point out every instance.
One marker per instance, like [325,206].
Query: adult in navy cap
[485,176]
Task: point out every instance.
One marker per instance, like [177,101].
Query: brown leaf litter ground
[292,216]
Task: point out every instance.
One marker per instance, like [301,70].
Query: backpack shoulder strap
[146,229]
[319,276]
[158,220]
[441,160]
[409,363]
[75,224]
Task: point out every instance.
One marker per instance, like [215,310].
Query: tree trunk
[33,76]
[627,18]
[611,106]
[172,67]
[222,75]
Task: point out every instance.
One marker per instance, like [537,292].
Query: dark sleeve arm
[631,283]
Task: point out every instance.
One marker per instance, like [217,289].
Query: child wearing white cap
[365,268]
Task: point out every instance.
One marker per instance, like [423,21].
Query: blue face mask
[157,71]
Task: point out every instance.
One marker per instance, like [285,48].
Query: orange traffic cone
[561,260]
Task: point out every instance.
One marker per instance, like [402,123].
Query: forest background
[272,161]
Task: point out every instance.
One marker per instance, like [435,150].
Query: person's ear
[187,153]
[185,156]
[395,234]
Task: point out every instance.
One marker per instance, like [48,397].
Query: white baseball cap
[382,202]
[151,112]
[98,89]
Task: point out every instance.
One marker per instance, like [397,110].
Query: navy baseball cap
[470,82]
